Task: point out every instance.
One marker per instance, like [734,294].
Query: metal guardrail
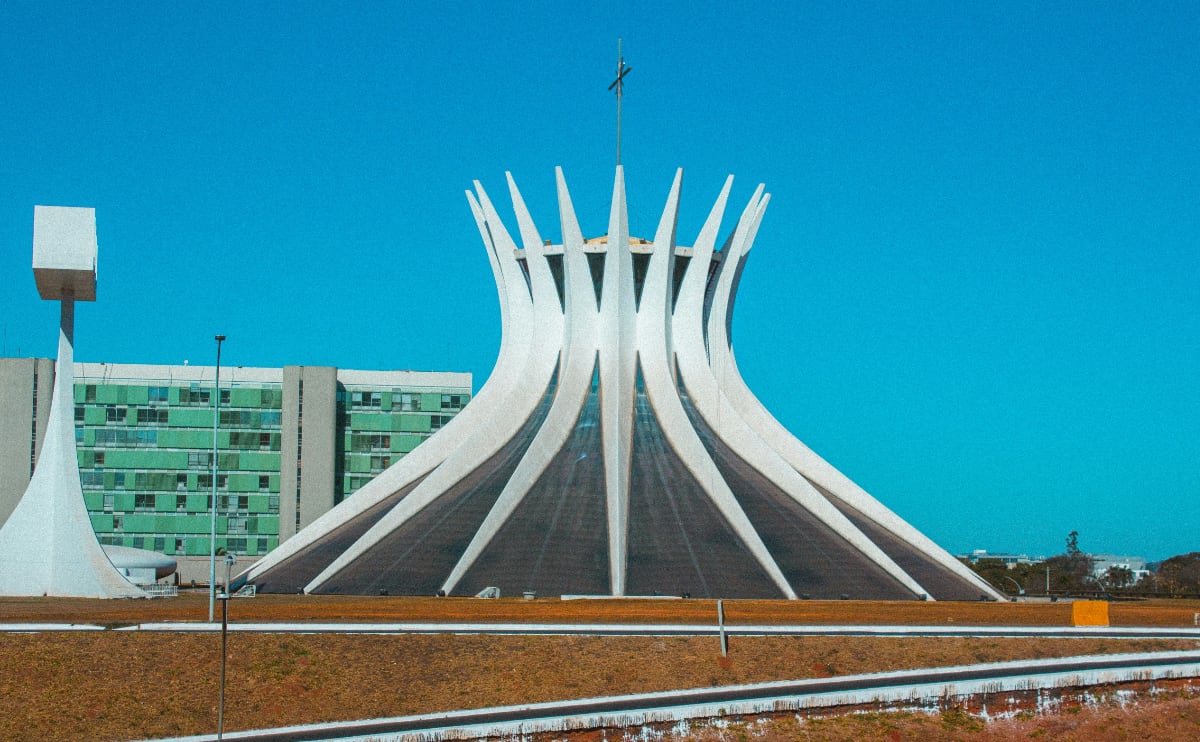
[905,687]
[160,590]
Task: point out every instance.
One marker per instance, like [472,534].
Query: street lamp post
[230,559]
[212,535]
[1020,590]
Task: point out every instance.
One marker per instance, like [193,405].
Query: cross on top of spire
[619,85]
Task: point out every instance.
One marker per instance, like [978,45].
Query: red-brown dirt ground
[121,685]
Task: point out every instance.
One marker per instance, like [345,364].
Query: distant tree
[1035,579]
[1010,578]
[1070,572]
[995,572]
[1029,576]
[1147,583]
[1180,575]
[1117,577]
[1066,573]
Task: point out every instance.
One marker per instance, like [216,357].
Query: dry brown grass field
[121,685]
[193,606]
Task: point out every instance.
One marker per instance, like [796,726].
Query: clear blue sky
[975,290]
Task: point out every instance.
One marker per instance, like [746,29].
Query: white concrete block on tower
[64,252]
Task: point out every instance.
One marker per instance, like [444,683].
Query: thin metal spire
[619,84]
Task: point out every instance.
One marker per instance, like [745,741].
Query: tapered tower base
[47,545]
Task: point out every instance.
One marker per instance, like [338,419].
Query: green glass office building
[292,442]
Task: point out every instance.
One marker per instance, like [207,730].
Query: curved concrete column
[574,380]
[539,347]
[617,373]
[653,323]
[514,343]
[715,408]
[733,388]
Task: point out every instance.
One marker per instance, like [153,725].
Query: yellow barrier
[1089,613]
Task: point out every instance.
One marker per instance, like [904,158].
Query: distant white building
[1101,563]
[1010,560]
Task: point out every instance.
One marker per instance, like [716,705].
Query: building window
[366,399]
[160,543]
[250,439]
[114,414]
[181,503]
[99,458]
[239,419]
[89,393]
[272,398]
[379,463]
[158,394]
[160,481]
[150,415]
[143,502]
[199,460]
[180,481]
[264,482]
[79,413]
[370,442]
[410,402]
[194,395]
[109,501]
[178,545]
[126,437]
[453,401]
